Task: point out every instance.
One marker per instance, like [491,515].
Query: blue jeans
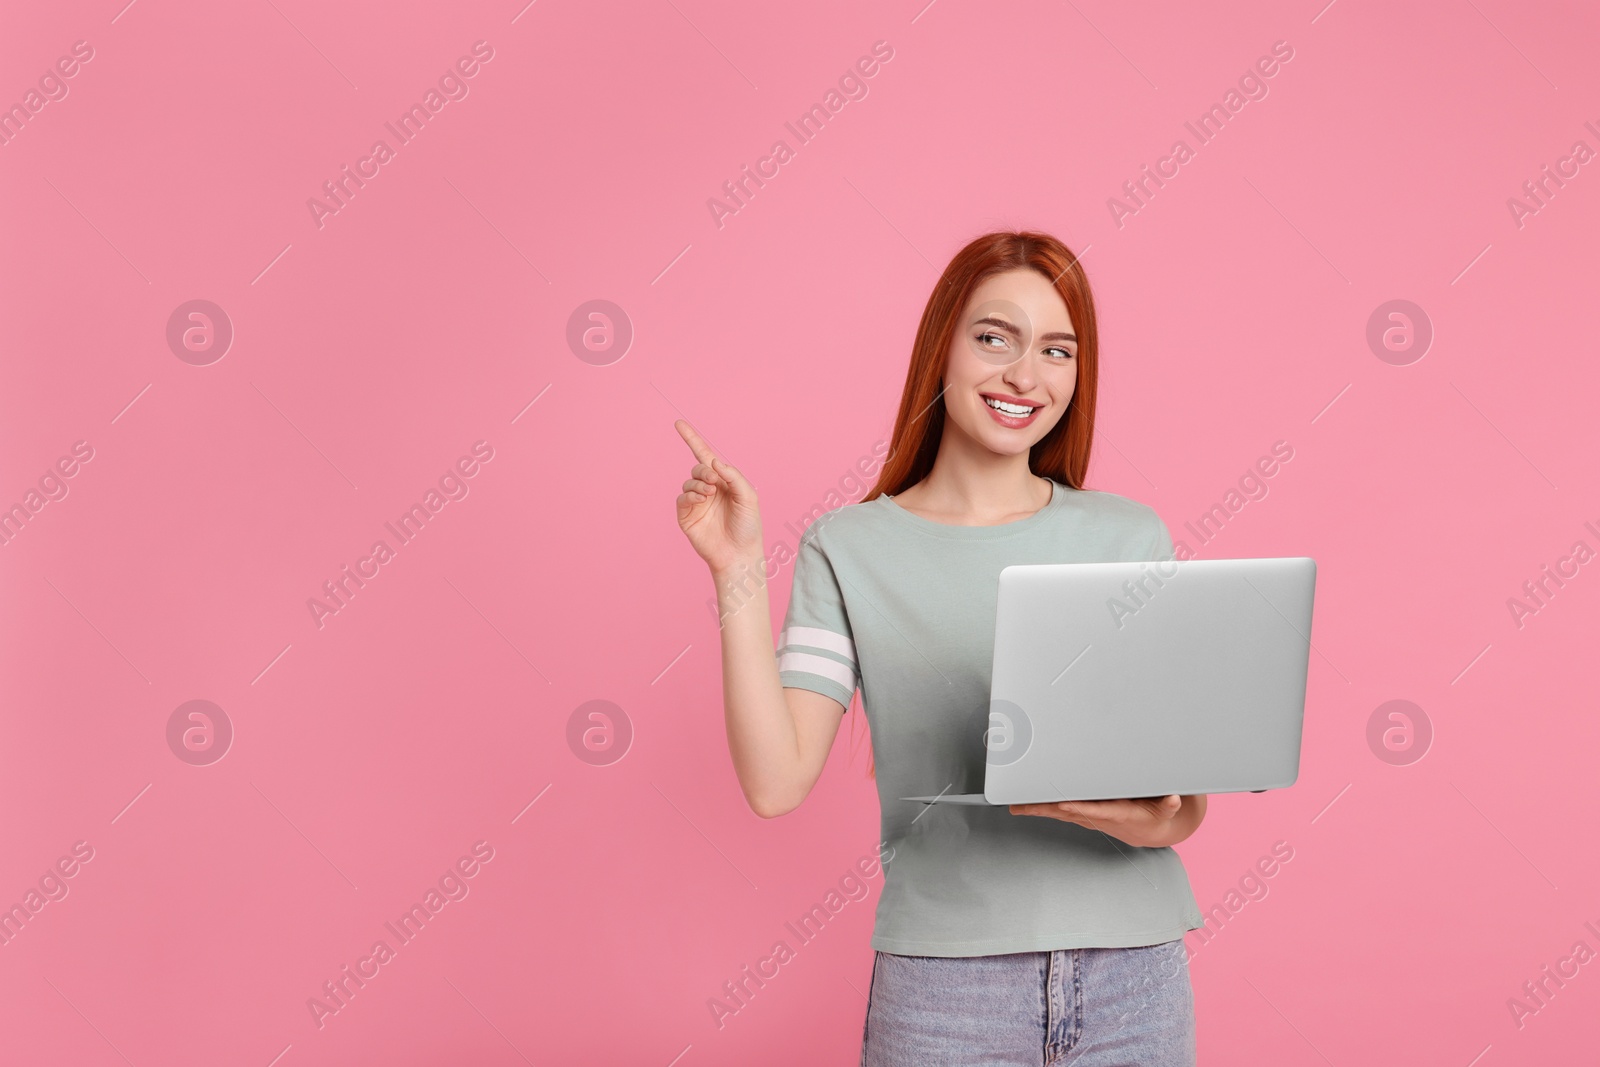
[1088,1007]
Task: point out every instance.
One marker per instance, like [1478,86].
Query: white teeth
[1008,409]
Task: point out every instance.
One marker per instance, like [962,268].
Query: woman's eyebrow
[990,320]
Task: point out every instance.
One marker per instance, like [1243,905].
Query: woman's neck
[966,490]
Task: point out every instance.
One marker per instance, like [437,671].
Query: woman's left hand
[1146,822]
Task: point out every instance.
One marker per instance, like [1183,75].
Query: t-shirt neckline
[1058,494]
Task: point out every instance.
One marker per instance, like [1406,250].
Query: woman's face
[1014,345]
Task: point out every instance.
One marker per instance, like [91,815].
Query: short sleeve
[816,649]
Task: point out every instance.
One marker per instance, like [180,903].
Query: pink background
[431,711]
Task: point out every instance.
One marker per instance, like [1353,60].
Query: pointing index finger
[696,443]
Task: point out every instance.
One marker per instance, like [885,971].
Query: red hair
[1063,453]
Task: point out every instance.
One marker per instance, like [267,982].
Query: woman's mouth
[1012,414]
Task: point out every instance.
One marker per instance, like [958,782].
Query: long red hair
[1063,453]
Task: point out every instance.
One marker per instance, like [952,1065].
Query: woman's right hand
[717,509]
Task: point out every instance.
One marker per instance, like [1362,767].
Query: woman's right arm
[779,738]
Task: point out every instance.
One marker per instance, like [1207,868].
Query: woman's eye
[985,338]
[1060,353]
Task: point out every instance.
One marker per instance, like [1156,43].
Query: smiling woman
[1004,934]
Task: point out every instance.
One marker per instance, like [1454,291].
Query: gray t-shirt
[904,607]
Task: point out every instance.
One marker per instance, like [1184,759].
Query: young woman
[1031,934]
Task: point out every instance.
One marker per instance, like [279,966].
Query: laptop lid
[1147,678]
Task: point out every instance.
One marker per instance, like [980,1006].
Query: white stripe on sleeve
[830,669]
[818,638]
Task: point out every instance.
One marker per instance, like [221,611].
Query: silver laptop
[1143,679]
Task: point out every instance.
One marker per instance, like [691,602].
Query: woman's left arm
[1147,822]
